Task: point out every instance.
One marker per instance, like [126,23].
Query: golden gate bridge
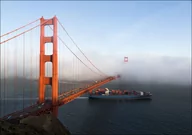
[23,59]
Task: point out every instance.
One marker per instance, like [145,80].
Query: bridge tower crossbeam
[44,80]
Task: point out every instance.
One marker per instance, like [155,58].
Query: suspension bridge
[29,70]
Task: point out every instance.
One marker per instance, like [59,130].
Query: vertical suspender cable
[76,82]
[1,104]
[14,87]
[59,70]
[73,73]
[23,67]
[15,80]
[71,76]
[6,82]
[79,48]
[71,80]
[4,105]
[31,63]
[76,86]
[46,65]
[37,75]
[78,74]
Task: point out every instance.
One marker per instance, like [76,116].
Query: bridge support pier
[55,111]
[45,80]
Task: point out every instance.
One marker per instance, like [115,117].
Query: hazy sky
[156,36]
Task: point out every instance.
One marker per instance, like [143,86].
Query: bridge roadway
[64,98]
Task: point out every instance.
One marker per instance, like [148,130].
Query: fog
[147,68]
[140,68]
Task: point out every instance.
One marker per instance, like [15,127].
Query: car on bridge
[9,117]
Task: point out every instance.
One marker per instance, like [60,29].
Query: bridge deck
[62,99]
[31,110]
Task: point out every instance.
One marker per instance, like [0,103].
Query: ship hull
[127,97]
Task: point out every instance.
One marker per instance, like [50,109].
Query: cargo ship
[119,94]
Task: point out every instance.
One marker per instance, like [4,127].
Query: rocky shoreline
[45,124]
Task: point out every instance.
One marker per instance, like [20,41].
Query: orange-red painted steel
[43,80]
[57,100]
[72,96]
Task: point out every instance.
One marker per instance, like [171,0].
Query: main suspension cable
[75,54]
[80,49]
[19,28]
[23,32]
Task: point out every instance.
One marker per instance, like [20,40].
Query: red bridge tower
[44,80]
